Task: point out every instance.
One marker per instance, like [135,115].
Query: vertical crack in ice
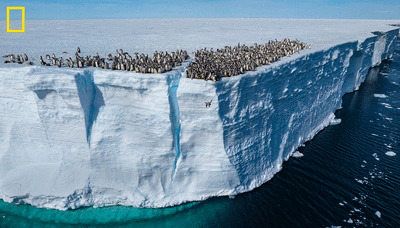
[91,99]
[284,140]
[173,83]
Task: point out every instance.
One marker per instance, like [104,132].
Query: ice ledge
[152,141]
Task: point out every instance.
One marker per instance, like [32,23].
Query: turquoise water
[117,216]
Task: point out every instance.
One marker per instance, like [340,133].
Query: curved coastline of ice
[71,138]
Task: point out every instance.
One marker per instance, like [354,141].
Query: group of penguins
[208,65]
[160,62]
[19,59]
[228,62]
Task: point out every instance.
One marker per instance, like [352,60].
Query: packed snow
[92,137]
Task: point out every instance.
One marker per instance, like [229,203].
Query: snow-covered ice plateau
[92,137]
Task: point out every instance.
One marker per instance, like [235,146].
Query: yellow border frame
[23,18]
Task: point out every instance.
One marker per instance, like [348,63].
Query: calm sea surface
[349,176]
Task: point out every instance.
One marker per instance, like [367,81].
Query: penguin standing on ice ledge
[208,104]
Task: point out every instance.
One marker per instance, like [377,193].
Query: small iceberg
[390,153]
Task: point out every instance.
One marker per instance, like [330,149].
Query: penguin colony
[228,62]
[208,65]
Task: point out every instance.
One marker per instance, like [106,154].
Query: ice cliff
[83,137]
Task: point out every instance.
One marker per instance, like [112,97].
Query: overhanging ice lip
[154,146]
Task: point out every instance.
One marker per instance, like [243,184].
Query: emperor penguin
[41,61]
[79,63]
[208,104]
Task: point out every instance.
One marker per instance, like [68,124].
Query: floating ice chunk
[359,181]
[297,154]
[378,213]
[386,105]
[374,134]
[387,145]
[390,153]
[335,121]
[341,204]
[380,95]
[350,220]
[375,155]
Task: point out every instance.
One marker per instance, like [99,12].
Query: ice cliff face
[71,138]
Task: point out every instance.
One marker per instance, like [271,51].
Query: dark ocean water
[348,177]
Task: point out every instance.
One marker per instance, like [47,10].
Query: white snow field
[92,137]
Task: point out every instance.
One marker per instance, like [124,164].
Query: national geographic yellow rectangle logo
[23,18]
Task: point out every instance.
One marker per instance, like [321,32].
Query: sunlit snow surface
[85,137]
